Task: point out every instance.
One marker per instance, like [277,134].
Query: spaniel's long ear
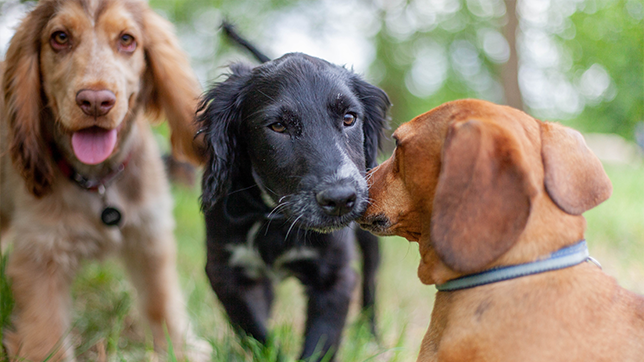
[171,86]
[483,196]
[574,176]
[24,106]
[376,104]
[219,115]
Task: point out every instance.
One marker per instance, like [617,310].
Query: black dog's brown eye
[59,40]
[278,127]
[349,119]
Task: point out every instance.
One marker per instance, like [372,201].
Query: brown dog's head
[470,179]
[79,72]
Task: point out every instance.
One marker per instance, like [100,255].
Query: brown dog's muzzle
[378,224]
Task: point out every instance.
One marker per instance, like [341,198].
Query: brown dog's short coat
[479,185]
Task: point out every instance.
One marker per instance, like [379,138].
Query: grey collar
[563,258]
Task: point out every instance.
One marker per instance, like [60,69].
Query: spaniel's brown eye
[127,43]
[278,127]
[349,119]
[59,40]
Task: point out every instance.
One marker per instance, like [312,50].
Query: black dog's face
[305,130]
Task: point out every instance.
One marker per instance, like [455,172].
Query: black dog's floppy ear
[376,104]
[219,118]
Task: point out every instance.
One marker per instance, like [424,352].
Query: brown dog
[480,186]
[80,172]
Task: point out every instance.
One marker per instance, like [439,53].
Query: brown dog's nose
[337,201]
[95,103]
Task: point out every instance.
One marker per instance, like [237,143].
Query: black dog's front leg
[327,311]
[370,261]
[247,301]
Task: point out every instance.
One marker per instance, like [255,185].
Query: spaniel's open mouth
[93,145]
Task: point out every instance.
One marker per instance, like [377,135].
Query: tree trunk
[510,70]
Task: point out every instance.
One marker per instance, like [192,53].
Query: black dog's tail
[229,29]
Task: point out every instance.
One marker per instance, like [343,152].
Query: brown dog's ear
[574,176]
[23,103]
[171,86]
[482,199]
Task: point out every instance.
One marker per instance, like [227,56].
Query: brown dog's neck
[431,270]
[548,229]
[566,257]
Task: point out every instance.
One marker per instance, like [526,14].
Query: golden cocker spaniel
[81,175]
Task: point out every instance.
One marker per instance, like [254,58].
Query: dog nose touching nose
[337,200]
[95,103]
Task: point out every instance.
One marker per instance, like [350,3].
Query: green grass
[106,321]
[6,300]
[615,232]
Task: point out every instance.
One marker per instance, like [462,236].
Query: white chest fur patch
[247,257]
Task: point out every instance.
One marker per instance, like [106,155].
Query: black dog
[290,141]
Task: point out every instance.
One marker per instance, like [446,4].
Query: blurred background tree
[576,61]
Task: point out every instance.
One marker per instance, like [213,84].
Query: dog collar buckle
[111,215]
[595,261]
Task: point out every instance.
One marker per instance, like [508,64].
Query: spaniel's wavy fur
[123,47]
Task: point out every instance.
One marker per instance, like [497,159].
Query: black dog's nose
[337,200]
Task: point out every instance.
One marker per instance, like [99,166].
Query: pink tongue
[93,145]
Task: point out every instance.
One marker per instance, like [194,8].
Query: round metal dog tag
[110,216]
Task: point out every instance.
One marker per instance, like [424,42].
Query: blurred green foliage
[612,36]
[431,51]
[6,301]
[455,30]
